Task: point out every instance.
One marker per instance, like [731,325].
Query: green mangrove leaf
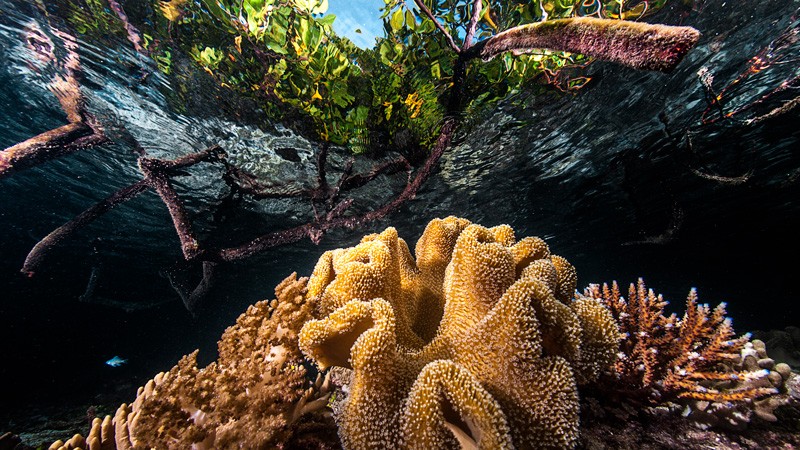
[288,50]
[327,20]
[397,20]
[411,21]
[436,70]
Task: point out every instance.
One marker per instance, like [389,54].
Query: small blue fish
[116,361]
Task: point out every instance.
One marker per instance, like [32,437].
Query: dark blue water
[622,178]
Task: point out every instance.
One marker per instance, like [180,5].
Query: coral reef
[694,365]
[477,343]
[256,395]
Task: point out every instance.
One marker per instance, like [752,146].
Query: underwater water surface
[636,174]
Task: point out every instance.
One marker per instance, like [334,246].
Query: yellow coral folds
[443,393]
[476,344]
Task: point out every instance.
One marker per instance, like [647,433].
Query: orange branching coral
[253,396]
[475,344]
[665,358]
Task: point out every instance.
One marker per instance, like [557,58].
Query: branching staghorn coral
[256,395]
[695,362]
[476,343]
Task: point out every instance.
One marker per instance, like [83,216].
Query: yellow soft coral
[474,344]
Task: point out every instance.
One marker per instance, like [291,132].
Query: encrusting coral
[694,364]
[256,395]
[477,343]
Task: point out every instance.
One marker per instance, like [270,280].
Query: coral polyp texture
[476,343]
[695,363]
[256,395]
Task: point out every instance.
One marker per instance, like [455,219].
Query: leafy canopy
[286,53]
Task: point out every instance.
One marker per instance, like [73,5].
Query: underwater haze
[168,163]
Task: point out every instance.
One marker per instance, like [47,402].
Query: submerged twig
[48,145]
[160,169]
[40,250]
[157,171]
[313,230]
[774,53]
[775,112]
[180,218]
[675,224]
[741,179]
[387,168]
[192,298]
[322,159]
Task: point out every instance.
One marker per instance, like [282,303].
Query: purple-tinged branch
[157,171]
[192,298]
[244,182]
[477,7]
[49,145]
[633,44]
[322,158]
[387,168]
[180,217]
[211,154]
